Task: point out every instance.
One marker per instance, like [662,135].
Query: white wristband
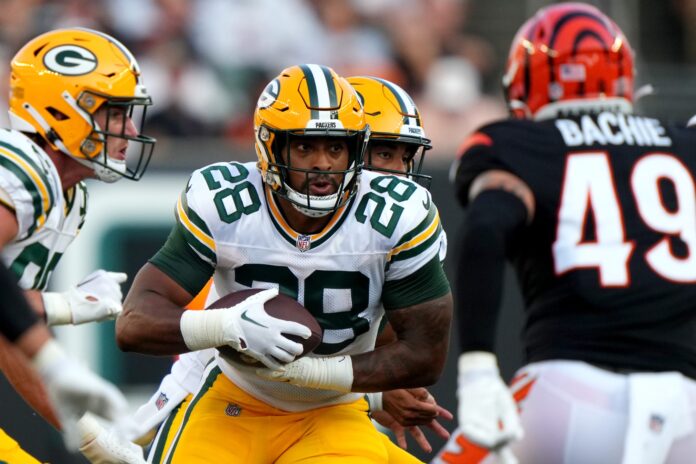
[337,375]
[57,309]
[374,399]
[202,329]
[331,373]
[473,361]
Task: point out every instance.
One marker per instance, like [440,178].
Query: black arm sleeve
[16,317]
[493,219]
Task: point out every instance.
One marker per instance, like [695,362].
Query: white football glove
[333,373]
[487,412]
[96,298]
[106,446]
[74,390]
[247,328]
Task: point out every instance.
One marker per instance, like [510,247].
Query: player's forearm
[35,300]
[25,380]
[31,341]
[149,324]
[416,358]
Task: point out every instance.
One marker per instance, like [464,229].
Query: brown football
[282,307]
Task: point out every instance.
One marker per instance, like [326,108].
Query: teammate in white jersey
[306,221]
[73,94]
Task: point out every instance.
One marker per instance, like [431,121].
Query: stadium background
[205,62]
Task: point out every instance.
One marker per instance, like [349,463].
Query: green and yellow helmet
[61,78]
[308,101]
[393,117]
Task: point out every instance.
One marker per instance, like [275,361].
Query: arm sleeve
[16,317]
[492,221]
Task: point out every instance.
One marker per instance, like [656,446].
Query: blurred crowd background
[205,62]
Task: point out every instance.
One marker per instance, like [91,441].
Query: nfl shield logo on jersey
[304,242]
[161,401]
[656,423]
[233,410]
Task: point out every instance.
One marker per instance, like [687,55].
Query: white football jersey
[389,230]
[48,220]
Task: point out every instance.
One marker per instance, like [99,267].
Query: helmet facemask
[120,114]
[300,198]
[309,101]
[394,119]
[415,156]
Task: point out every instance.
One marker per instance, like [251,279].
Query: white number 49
[589,185]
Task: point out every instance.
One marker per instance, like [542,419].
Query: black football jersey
[607,267]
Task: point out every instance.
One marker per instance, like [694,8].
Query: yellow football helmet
[61,78]
[393,117]
[308,101]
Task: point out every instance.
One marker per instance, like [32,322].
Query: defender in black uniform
[596,210]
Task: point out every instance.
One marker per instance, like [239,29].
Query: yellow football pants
[11,453]
[222,423]
[170,428]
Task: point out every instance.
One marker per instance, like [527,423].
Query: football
[281,307]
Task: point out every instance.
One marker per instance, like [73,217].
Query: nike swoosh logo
[426,204]
[247,318]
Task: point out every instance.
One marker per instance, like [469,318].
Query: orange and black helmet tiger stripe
[565,55]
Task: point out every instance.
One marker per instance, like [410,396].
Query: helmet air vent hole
[57,115]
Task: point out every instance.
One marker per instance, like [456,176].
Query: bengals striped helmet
[568,58]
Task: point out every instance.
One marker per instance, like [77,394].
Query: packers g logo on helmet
[269,94]
[61,79]
[70,60]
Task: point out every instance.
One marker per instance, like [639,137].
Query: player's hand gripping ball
[280,307]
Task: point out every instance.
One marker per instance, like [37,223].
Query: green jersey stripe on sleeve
[196,244]
[199,238]
[424,224]
[39,192]
[38,170]
[420,247]
[179,261]
[194,217]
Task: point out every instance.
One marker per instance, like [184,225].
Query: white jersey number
[588,188]
[336,298]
